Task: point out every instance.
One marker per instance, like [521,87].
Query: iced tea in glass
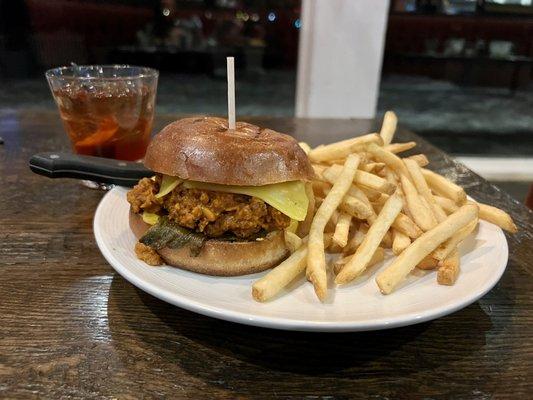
[107,110]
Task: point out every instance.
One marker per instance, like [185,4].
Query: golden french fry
[303,227]
[316,262]
[449,269]
[399,147]
[343,148]
[428,262]
[388,279]
[340,236]
[305,147]
[292,241]
[390,176]
[356,239]
[370,194]
[407,226]
[361,178]
[388,128]
[447,248]
[400,241]
[373,238]
[320,188]
[378,256]
[330,226]
[356,192]
[279,277]
[386,242]
[390,159]
[355,207]
[444,187]
[420,159]
[423,189]
[446,204]
[373,167]
[497,217]
[374,182]
[422,215]
[318,168]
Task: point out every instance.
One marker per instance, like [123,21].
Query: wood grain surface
[72,328]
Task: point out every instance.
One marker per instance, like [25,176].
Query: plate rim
[282,323]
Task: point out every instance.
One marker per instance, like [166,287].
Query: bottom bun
[222,258]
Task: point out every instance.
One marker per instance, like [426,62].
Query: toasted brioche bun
[222,258]
[204,149]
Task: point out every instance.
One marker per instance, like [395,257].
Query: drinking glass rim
[147,72]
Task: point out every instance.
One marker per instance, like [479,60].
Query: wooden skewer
[231,92]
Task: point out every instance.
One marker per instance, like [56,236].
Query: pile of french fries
[367,198]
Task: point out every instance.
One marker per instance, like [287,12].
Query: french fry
[305,147]
[318,168]
[279,277]
[361,178]
[356,192]
[446,204]
[292,241]
[423,189]
[378,256]
[497,217]
[447,248]
[373,238]
[303,227]
[373,167]
[449,269]
[420,159]
[330,226]
[403,223]
[407,226]
[355,207]
[340,236]
[374,182]
[343,148]
[422,215]
[320,188]
[388,128]
[356,239]
[316,262]
[427,263]
[388,279]
[370,194]
[399,147]
[391,160]
[400,241]
[386,242]
[442,186]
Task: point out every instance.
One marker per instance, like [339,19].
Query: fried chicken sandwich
[220,199]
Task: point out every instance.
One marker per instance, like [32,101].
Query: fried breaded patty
[209,212]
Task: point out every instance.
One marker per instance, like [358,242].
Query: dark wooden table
[70,327]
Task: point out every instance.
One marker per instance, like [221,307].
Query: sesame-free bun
[222,258]
[204,149]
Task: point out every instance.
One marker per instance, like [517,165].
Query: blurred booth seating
[80,31]
[461,48]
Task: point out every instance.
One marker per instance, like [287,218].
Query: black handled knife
[97,169]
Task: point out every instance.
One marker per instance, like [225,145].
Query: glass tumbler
[107,110]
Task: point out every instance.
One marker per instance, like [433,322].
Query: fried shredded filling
[147,254]
[211,213]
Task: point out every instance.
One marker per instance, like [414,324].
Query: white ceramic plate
[355,307]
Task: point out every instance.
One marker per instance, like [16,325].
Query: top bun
[204,149]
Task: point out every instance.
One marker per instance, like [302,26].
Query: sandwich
[220,199]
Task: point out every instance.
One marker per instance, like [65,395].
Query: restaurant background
[456,72]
